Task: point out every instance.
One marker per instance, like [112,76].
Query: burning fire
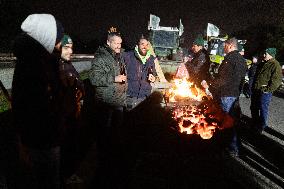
[184,89]
[191,119]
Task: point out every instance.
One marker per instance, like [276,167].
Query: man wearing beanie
[266,80]
[35,100]
[71,95]
[198,68]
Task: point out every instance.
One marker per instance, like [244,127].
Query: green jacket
[268,76]
[102,76]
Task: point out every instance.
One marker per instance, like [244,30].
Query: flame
[190,118]
[192,121]
[184,89]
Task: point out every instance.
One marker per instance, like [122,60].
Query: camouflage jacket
[102,76]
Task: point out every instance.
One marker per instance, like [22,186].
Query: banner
[154,22]
[212,30]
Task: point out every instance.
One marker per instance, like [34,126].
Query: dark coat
[230,75]
[137,74]
[198,68]
[71,92]
[35,94]
[105,67]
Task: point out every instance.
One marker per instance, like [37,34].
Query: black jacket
[230,75]
[35,94]
[198,68]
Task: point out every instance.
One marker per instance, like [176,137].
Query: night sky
[88,20]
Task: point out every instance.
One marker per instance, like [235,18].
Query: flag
[181,28]
[154,22]
[212,30]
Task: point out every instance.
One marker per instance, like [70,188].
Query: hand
[204,84]
[151,78]
[120,78]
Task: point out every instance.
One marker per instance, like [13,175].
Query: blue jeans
[227,104]
[260,108]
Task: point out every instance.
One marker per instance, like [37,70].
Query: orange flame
[184,89]
[192,121]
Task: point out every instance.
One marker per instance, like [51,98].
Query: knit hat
[60,31]
[240,47]
[66,40]
[198,41]
[271,51]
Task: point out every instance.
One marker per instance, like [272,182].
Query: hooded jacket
[35,83]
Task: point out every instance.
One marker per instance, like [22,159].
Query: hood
[42,28]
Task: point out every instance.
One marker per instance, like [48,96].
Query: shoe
[232,153]
[259,131]
[74,179]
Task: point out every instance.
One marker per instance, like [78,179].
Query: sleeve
[159,71]
[201,60]
[221,77]
[275,78]
[100,75]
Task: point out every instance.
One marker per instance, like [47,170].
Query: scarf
[143,58]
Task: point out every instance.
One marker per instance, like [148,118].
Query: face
[66,52]
[115,43]
[143,46]
[267,56]
[196,48]
[228,48]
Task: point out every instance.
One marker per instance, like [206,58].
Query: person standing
[198,67]
[251,73]
[226,86]
[108,78]
[35,100]
[71,95]
[266,80]
[141,71]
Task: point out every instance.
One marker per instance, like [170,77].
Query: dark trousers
[41,170]
[260,108]
[109,123]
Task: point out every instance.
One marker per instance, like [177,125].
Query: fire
[184,89]
[191,120]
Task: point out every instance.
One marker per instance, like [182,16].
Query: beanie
[240,47]
[271,51]
[66,40]
[60,31]
[198,41]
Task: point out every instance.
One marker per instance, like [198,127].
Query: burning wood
[194,114]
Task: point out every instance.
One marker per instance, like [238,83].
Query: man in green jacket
[266,80]
[108,78]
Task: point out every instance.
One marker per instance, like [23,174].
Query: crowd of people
[48,95]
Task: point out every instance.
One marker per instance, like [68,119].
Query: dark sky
[89,19]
